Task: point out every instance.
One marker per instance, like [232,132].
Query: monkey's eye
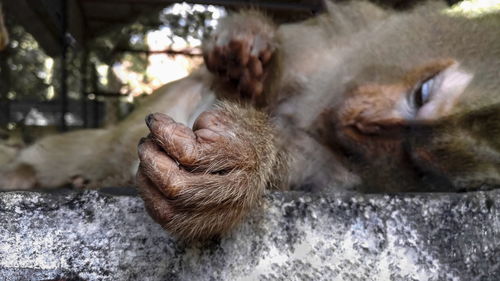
[422,94]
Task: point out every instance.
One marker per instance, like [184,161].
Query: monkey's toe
[241,60]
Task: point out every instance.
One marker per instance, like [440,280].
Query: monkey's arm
[199,183]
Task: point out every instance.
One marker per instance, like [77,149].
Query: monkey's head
[430,124]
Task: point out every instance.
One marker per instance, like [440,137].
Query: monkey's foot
[198,183]
[240,52]
[20,177]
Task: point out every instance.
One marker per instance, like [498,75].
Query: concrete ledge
[95,236]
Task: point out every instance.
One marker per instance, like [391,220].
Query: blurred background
[72,64]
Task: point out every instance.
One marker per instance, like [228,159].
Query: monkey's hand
[240,51]
[199,183]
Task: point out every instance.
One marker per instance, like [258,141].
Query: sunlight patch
[474,8]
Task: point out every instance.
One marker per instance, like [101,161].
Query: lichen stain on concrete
[298,236]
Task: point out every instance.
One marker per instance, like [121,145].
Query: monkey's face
[421,132]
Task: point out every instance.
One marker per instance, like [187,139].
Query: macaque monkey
[355,99]
[358,98]
[4,35]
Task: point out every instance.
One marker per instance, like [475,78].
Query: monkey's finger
[265,56]
[160,169]
[245,84]
[176,139]
[155,202]
[259,44]
[250,87]
[219,57]
[263,49]
[211,119]
[255,67]
[234,70]
[239,50]
[174,183]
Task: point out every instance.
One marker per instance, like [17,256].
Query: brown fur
[344,93]
[210,176]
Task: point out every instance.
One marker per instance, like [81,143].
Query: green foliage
[27,73]
[193,25]
[190,23]
[22,66]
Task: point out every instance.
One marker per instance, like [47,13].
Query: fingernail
[149,120]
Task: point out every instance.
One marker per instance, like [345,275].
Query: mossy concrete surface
[297,236]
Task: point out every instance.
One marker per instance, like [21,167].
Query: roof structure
[87,19]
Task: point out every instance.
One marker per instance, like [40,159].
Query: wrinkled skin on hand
[202,180]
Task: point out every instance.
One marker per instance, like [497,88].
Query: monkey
[307,112]
[358,99]
[95,158]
